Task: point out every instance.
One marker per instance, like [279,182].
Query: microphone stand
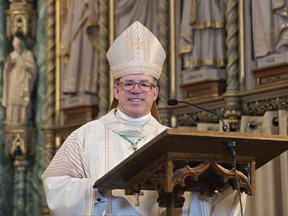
[228,144]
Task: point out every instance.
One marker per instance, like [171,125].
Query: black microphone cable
[173,102]
[230,146]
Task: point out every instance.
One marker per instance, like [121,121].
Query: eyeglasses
[143,86]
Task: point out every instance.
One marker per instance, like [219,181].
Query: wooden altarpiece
[181,160]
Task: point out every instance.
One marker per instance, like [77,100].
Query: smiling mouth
[136,100]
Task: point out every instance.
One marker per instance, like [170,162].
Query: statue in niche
[127,12]
[78,50]
[19,76]
[270,31]
[202,44]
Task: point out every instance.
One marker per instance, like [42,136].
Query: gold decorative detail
[20,18]
[19,142]
[137,43]
[259,107]
[136,196]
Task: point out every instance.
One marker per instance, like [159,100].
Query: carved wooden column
[163,36]
[49,133]
[231,96]
[103,92]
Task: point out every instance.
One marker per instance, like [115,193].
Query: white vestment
[94,149]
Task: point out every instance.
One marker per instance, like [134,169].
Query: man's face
[135,102]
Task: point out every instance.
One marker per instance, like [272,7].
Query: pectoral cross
[136,196]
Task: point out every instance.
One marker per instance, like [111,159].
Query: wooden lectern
[180,160]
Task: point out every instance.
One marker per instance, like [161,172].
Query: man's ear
[116,91]
[156,93]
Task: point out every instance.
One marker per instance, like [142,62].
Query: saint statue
[270,30]
[202,34]
[78,46]
[18,81]
[127,12]
[202,40]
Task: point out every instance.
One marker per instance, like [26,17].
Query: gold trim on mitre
[136,51]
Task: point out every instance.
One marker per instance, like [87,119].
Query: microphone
[173,102]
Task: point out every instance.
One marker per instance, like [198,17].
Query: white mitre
[136,51]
